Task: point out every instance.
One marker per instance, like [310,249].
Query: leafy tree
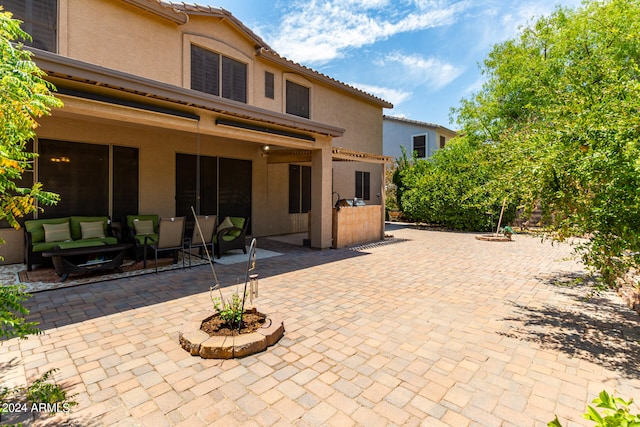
[24,96]
[454,188]
[560,105]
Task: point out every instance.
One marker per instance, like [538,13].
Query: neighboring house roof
[176,12]
[419,123]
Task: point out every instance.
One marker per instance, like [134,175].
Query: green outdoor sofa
[42,235]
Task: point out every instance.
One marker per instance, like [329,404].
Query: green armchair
[139,228]
[231,234]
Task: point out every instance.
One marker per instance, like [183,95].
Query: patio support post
[321,213]
[383,199]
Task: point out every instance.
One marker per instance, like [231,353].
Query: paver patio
[432,329]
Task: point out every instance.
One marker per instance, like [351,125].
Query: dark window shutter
[306,189]
[294,189]
[420,145]
[366,185]
[297,100]
[234,80]
[125,181]
[204,70]
[359,184]
[269,85]
[39,18]
[79,173]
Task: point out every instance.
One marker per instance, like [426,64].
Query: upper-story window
[420,145]
[218,75]
[442,141]
[269,85]
[40,21]
[297,100]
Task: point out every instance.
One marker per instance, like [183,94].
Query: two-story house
[417,137]
[172,105]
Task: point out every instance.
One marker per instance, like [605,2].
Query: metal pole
[251,264]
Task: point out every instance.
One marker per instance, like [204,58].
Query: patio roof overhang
[146,94]
[338,154]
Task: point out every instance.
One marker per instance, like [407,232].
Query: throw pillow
[56,232]
[225,224]
[93,229]
[143,227]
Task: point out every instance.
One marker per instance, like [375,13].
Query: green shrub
[614,413]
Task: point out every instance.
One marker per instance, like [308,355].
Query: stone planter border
[493,238]
[199,343]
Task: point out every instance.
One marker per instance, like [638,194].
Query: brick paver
[434,328]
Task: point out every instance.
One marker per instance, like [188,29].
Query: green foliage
[455,188]
[12,312]
[229,310]
[24,96]
[614,413]
[43,393]
[560,108]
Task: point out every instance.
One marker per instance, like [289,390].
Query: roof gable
[173,11]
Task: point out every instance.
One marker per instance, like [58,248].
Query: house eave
[64,68]
[273,57]
[164,11]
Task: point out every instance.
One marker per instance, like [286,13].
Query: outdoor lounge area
[476,333]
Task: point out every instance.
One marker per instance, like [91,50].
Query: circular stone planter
[494,238]
[199,343]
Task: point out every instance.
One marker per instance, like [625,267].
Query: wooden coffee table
[86,259]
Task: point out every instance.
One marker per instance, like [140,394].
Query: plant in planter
[231,331]
[229,311]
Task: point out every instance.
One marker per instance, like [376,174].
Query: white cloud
[317,31]
[431,72]
[394,96]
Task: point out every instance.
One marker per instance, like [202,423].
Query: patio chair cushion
[76,227]
[92,229]
[230,222]
[227,223]
[56,232]
[238,222]
[83,243]
[143,228]
[34,227]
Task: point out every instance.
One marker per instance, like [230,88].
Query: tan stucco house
[172,105]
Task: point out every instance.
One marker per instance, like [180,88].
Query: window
[442,141]
[299,189]
[79,172]
[268,85]
[420,145]
[297,100]
[40,19]
[234,80]
[363,183]
[211,71]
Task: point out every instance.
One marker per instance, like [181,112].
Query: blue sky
[420,55]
